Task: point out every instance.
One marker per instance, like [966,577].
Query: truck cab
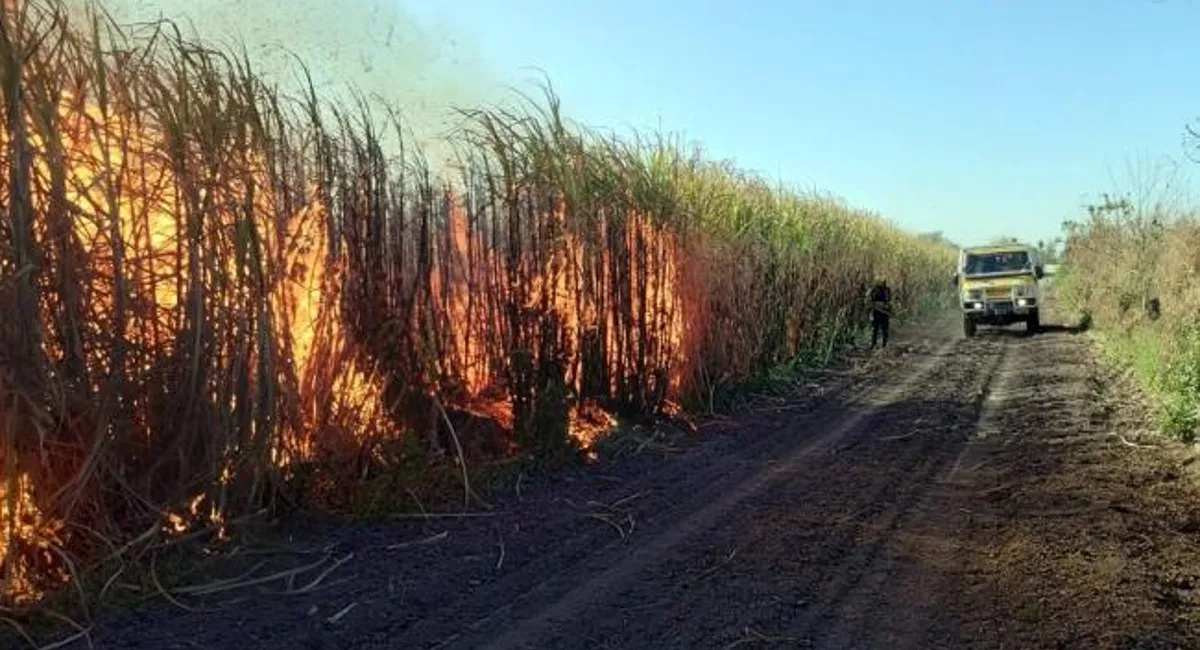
[998,286]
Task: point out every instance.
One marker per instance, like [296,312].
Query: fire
[461,268]
[558,288]
[118,200]
[27,529]
[180,523]
[589,423]
[198,303]
[124,205]
[336,390]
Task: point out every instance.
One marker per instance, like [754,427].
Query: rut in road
[550,588]
[641,564]
[864,605]
[795,551]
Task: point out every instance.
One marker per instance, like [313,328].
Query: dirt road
[948,493]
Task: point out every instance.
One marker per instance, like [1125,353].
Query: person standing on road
[880,298]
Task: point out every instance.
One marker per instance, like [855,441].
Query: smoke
[371,46]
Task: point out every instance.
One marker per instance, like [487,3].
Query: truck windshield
[982,264]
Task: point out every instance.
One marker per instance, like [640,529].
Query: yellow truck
[998,286]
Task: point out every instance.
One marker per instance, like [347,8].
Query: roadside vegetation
[1131,270]
[223,302]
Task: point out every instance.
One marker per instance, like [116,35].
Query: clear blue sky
[975,117]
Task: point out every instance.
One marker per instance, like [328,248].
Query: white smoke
[369,45]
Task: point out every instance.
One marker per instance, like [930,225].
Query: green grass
[1123,259]
[1180,412]
[1167,368]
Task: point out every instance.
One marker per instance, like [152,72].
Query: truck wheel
[1033,323]
[968,327]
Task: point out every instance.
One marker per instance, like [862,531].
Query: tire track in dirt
[864,595]
[910,483]
[576,601]
[1050,492]
[679,488]
[689,480]
[785,559]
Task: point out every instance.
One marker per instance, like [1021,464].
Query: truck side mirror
[1039,272]
[954,279]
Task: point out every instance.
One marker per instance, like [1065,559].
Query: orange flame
[558,286]
[124,210]
[108,178]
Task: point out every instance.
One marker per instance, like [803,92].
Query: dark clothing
[880,297]
[880,294]
[879,328]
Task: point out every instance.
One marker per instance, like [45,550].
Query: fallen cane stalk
[752,635]
[720,565]
[162,590]
[416,499]
[74,573]
[462,461]
[998,488]
[619,502]
[604,506]
[321,577]
[241,576]
[110,582]
[442,515]
[70,622]
[63,643]
[420,542]
[610,522]
[341,614]
[646,441]
[221,586]
[20,630]
[1132,445]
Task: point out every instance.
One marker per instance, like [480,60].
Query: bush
[1131,269]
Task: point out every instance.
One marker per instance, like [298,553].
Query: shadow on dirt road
[949,493]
